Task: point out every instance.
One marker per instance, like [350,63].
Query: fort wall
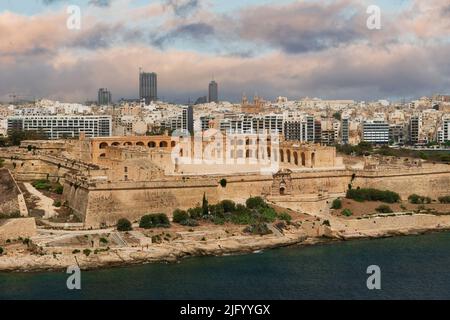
[15,228]
[105,203]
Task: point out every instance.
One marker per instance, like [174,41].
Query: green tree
[205,208]
[158,220]
[256,203]
[223,183]
[337,204]
[180,216]
[124,225]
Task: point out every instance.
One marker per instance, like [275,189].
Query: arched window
[103,145]
[303,159]
[163,144]
[295,158]
[152,144]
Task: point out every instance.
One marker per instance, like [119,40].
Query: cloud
[183,8]
[193,31]
[298,49]
[97,3]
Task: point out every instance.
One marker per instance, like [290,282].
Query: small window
[125,169]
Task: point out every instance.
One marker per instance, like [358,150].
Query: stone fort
[106,179]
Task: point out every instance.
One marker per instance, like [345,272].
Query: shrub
[57,203]
[76,251]
[159,220]
[216,210]
[445,199]
[180,216]
[255,203]
[1,251]
[243,218]
[268,215]
[124,225]
[258,229]
[42,185]
[326,223]
[103,240]
[362,195]
[337,204]
[347,213]
[189,223]
[218,220]
[384,209]
[285,217]
[59,189]
[228,206]
[87,252]
[195,213]
[223,183]
[416,199]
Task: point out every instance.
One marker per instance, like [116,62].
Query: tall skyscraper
[104,97]
[213,92]
[148,86]
[188,119]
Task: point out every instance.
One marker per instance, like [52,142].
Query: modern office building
[188,119]
[213,92]
[148,87]
[398,133]
[310,129]
[59,127]
[446,130]
[376,132]
[414,129]
[345,130]
[293,130]
[104,97]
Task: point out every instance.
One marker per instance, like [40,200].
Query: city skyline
[309,48]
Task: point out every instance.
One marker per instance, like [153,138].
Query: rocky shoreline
[174,253]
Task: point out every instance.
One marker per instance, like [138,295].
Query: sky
[292,48]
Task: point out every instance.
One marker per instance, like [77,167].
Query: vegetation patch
[337,204]
[416,199]
[384,209]
[362,195]
[158,220]
[445,199]
[124,225]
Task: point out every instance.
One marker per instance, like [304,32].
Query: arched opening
[288,156]
[103,155]
[115,144]
[303,159]
[140,143]
[163,144]
[269,153]
[295,158]
[248,154]
[173,144]
[313,160]
[127,143]
[281,155]
[103,145]
[152,144]
[282,188]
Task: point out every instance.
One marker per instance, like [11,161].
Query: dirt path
[44,203]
